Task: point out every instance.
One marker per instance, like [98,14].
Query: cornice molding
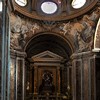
[61,17]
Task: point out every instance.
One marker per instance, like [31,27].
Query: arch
[51,41]
[67,39]
[97,38]
[48,52]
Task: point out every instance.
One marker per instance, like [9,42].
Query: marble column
[96,72]
[12,78]
[35,79]
[83,76]
[67,76]
[68,67]
[30,78]
[58,80]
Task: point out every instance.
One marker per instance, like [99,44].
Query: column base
[58,94]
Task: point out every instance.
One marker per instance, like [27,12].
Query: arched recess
[47,40]
[97,38]
[96,50]
[56,45]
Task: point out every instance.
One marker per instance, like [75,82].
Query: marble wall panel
[83,75]
[86,79]
[12,79]
[92,81]
[19,79]
[97,78]
[78,79]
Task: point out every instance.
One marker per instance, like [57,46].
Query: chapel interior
[49,49]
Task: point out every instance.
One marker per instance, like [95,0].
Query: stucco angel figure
[16,24]
[95,15]
[88,28]
[15,32]
[14,43]
[34,27]
[76,32]
[66,28]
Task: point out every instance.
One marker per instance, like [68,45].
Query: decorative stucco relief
[20,30]
[23,29]
[82,31]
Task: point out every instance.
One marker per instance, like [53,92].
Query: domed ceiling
[53,10]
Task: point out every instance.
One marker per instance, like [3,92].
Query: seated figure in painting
[47,86]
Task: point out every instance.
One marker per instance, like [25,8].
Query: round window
[21,2]
[78,3]
[49,7]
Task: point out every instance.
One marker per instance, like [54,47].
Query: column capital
[35,67]
[82,55]
[15,53]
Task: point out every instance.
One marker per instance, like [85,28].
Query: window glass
[78,3]
[49,7]
[0,6]
[21,2]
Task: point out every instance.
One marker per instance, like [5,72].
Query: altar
[46,73]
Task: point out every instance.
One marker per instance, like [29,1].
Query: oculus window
[21,2]
[76,4]
[49,7]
